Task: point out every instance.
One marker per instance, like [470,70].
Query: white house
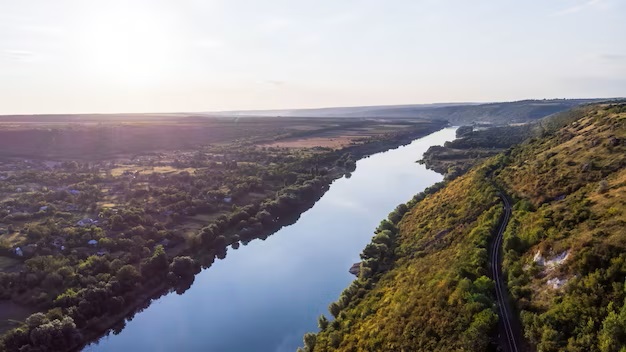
[92,242]
[86,222]
[18,252]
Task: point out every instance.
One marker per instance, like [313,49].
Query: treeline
[474,146]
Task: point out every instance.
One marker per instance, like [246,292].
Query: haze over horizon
[73,56]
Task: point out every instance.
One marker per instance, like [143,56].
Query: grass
[13,238]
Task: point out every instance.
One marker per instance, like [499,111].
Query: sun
[128,45]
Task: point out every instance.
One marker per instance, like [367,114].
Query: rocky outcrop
[355,269]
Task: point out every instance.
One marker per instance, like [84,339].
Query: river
[264,296]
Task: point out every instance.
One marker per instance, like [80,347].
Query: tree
[128,275]
[309,341]
[613,334]
[117,223]
[334,309]
[36,319]
[157,264]
[322,322]
[182,267]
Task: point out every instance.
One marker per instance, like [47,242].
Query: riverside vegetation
[424,281]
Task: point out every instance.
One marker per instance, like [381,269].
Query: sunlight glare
[126,45]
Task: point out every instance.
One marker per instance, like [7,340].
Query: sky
[85,56]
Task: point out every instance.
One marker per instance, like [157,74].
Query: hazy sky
[69,56]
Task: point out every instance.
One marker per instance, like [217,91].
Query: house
[92,242]
[86,222]
[44,208]
[74,192]
[18,252]
[228,199]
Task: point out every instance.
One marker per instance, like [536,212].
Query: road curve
[511,339]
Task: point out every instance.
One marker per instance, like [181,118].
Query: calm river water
[264,296]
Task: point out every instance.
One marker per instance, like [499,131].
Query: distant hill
[353,111]
[455,113]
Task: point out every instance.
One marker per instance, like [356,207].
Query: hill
[455,113]
[424,281]
[566,245]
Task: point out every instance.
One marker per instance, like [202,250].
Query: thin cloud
[18,55]
[621,58]
[275,25]
[209,43]
[42,30]
[579,7]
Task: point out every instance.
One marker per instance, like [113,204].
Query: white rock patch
[538,258]
[557,261]
[552,263]
[556,283]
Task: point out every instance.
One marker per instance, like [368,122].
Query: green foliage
[322,322]
[612,337]
[128,275]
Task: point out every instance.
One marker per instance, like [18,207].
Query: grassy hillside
[423,285]
[566,244]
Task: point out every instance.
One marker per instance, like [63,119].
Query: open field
[101,137]
[342,135]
